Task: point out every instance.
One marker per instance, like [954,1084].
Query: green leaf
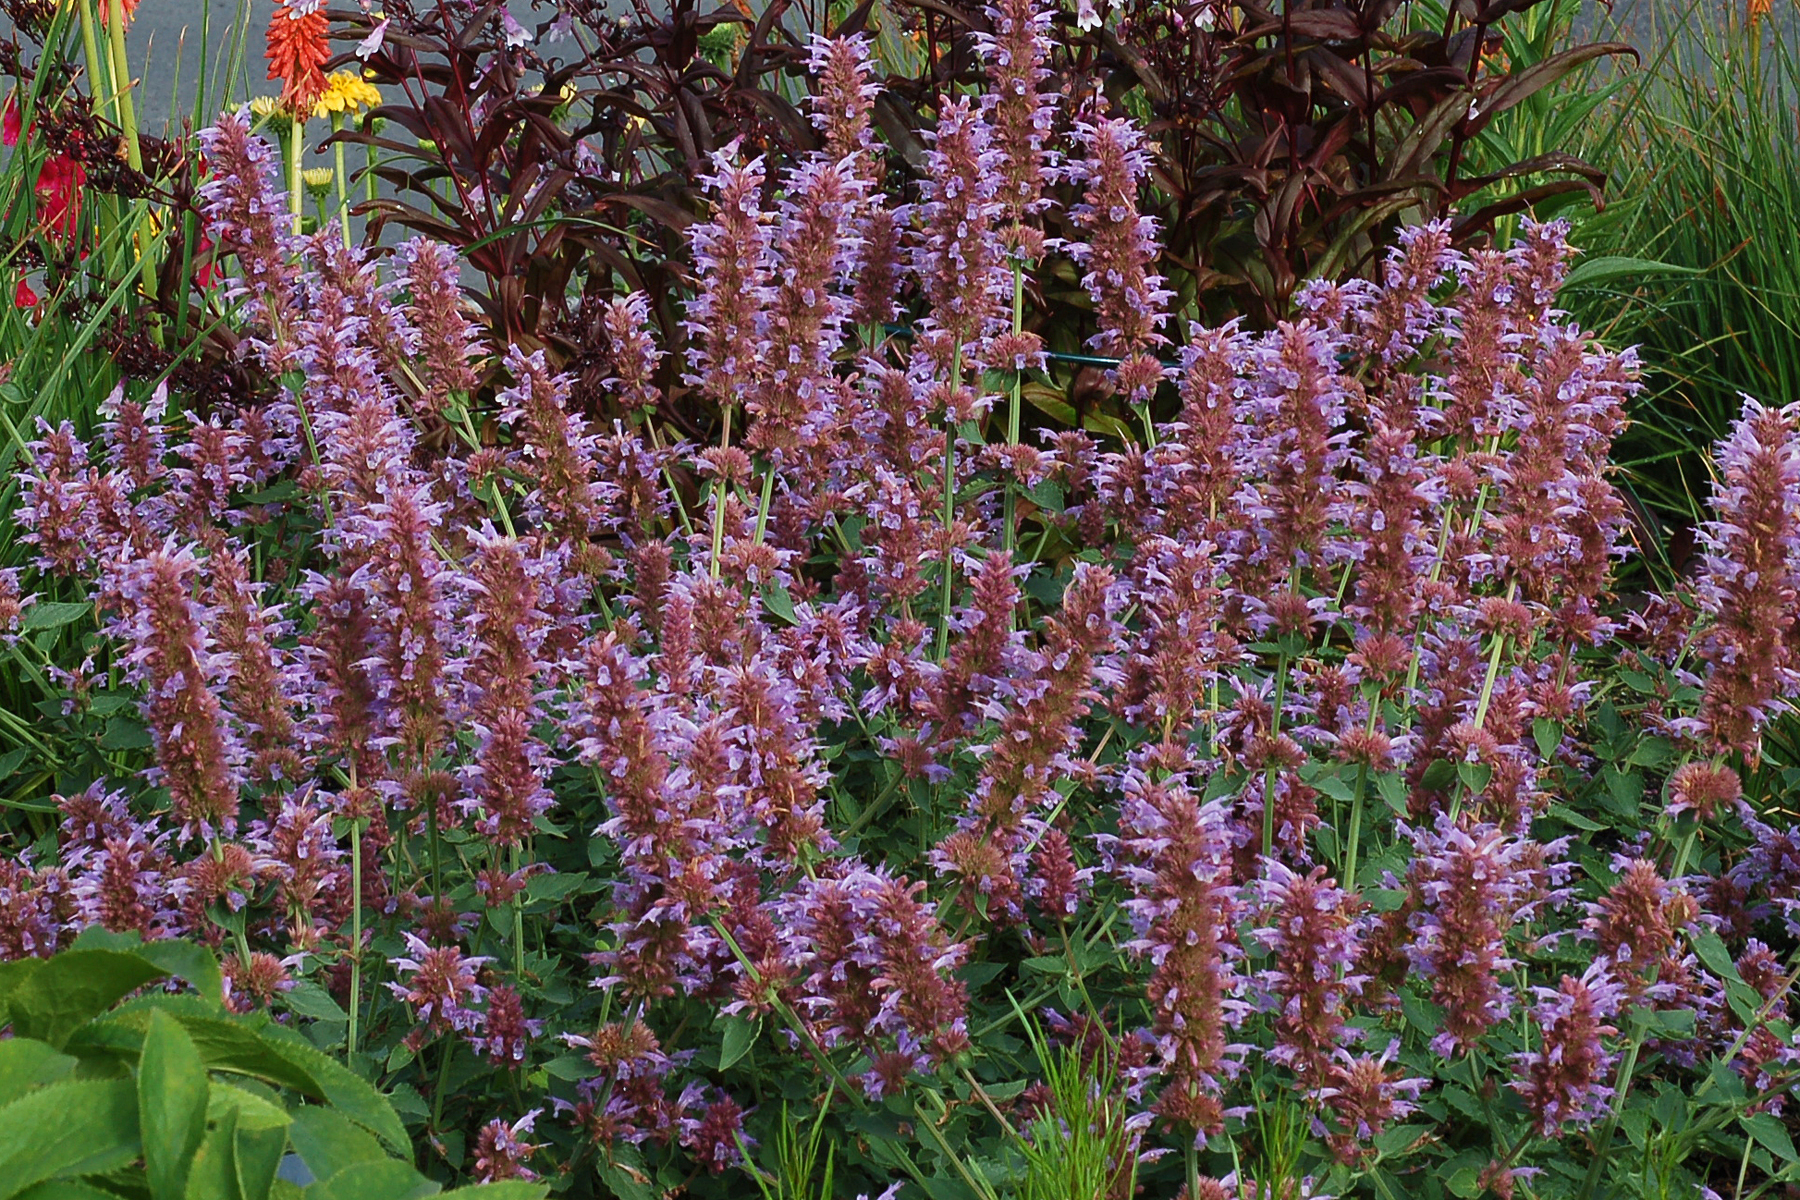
[1771,1133]
[776,599]
[125,733]
[308,999]
[212,1175]
[1563,812]
[328,1143]
[1548,736]
[256,1156]
[345,1090]
[387,1179]
[192,962]
[66,1189]
[248,1109]
[740,1035]
[505,1189]
[1711,951]
[67,1129]
[1439,775]
[1466,1183]
[171,1105]
[627,1183]
[1392,786]
[54,615]
[25,1064]
[555,888]
[1595,271]
[71,989]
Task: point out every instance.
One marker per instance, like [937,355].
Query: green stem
[369,180]
[948,595]
[90,49]
[518,929]
[297,128]
[762,505]
[343,181]
[1268,838]
[1356,819]
[1008,534]
[718,531]
[443,1079]
[115,31]
[356,891]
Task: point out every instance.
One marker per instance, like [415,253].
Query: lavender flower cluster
[1293,685]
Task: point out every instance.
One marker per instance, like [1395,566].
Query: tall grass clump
[1704,150]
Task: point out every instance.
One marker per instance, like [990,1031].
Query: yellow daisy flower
[346,92]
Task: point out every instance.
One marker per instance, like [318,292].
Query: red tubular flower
[58,190]
[23,296]
[297,53]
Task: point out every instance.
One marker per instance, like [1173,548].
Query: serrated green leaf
[78,1128]
[1548,736]
[739,1036]
[329,1143]
[505,1189]
[1439,775]
[25,1064]
[53,614]
[555,888]
[125,733]
[1712,952]
[627,1183]
[172,1094]
[781,605]
[1772,1134]
[308,999]
[73,988]
[250,1110]
[65,1189]
[1392,787]
[346,1091]
[387,1179]
[256,1157]
[192,962]
[211,1175]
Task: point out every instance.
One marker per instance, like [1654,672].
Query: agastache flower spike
[729,318]
[248,218]
[263,680]
[1473,884]
[844,97]
[1568,1078]
[199,759]
[840,111]
[1130,301]
[447,338]
[1021,112]
[503,674]
[632,355]
[1751,578]
[957,255]
[1174,854]
[501,1150]
[1034,742]
[814,252]
[1311,926]
[439,984]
